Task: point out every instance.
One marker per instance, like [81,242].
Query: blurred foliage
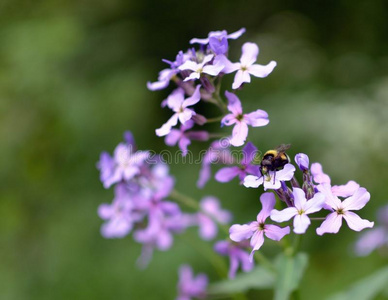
[72,80]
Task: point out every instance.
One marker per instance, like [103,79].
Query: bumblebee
[274,160]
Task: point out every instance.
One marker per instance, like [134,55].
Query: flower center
[340,211]
[261,226]
[244,68]
[240,117]
[301,212]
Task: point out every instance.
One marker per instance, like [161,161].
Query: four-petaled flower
[240,120]
[343,209]
[246,66]
[272,179]
[257,229]
[300,211]
[177,102]
[200,68]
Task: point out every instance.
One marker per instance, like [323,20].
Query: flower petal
[268,202]
[357,201]
[356,223]
[227,174]
[239,232]
[240,77]
[276,233]
[301,222]
[332,224]
[286,173]
[194,98]
[249,54]
[345,190]
[236,34]
[262,71]
[253,181]
[299,198]
[239,134]
[283,215]
[257,118]
[234,103]
[314,204]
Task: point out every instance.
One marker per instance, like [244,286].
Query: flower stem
[213,120]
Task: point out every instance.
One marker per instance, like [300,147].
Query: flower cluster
[142,186]
[197,74]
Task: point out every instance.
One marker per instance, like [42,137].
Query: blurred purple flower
[343,209]
[179,105]
[211,212]
[183,138]
[246,167]
[318,176]
[302,160]
[241,121]
[257,229]
[190,286]
[300,211]
[237,256]
[271,180]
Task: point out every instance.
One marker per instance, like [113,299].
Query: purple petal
[249,153]
[218,45]
[239,134]
[185,115]
[301,222]
[314,204]
[198,135]
[212,70]
[189,65]
[257,240]
[194,98]
[318,175]
[262,71]
[371,240]
[357,201]
[239,232]
[275,233]
[236,34]
[173,137]
[166,128]
[222,247]
[302,160]
[184,142]
[257,118]
[345,190]
[331,200]
[332,224]
[228,66]
[249,54]
[228,120]
[283,215]
[175,99]
[268,202]
[299,198]
[234,103]
[207,228]
[240,77]
[355,222]
[129,139]
[227,174]
[105,211]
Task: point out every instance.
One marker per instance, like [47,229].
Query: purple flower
[125,164]
[240,120]
[302,160]
[218,152]
[228,173]
[257,229]
[300,211]
[318,175]
[343,209]
[183,138]
[190,286]
[211,211]
[179,105]
[119,215]
[246,66]
[345,190]
[271,180]
[200,68]
[237,256]
[218,40]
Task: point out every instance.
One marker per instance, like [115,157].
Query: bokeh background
[73,78]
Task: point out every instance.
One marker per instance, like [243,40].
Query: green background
[73,78]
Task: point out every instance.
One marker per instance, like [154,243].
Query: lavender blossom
[201,68]
[246,66]
[343,209]
[300,211]
[237,256]
[246,167]
[179,105]
[190,286]
[302,160]
[272,179]
[241,121]
[257,229]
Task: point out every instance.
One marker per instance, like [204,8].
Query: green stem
[213,120]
